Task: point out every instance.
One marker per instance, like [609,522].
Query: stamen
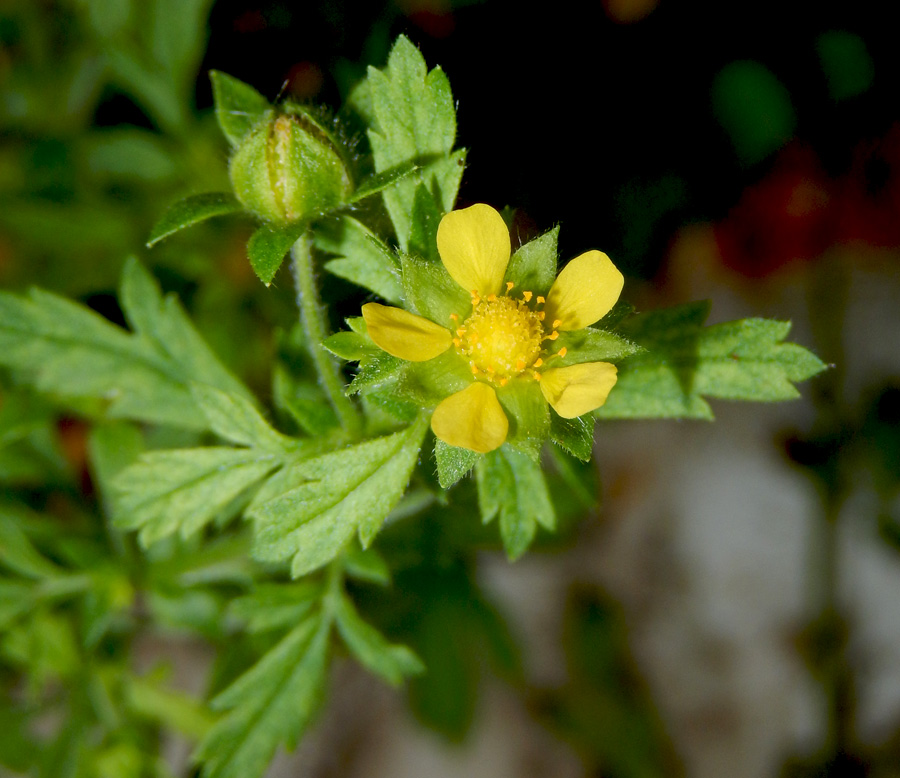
[473,368]
[556,323]
[504,381]
[540,300]
[538,362]
[509,286]
[526,296]
[520,364]
[537,376]
[454,317]
[552,336]
[562,352]
[457,342]
[491,297]
[541,315]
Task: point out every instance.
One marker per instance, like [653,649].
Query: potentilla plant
[470,355]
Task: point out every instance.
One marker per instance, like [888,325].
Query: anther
[504,381]
[562,352]
[520,364]
[473,368]
[526,296]
[552,336]
[540,300]
[457,342]
[492,298]
[556,323]
[454,317]
[509,286]
[537,376]
[541,315]
[538,362]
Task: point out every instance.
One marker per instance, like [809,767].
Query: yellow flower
[507,335]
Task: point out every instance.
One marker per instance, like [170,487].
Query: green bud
[289,168]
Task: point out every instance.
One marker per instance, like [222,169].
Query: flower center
[501,338]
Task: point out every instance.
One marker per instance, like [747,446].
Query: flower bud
[289,167]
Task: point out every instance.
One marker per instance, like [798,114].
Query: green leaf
[310,511]
[68,350]
[112,447]
[165,492]
[17,552]
[192,210]
[573,435]
[234,418]
[684,361]
[529,416]
[366,565]
[453,463]
[415,122]
[390,661]
[363,258]
[380,181]
[533,266]
[239,107]
[512,485]
[269,705]
[276,606]
[268,246]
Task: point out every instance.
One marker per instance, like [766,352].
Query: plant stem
[312,316]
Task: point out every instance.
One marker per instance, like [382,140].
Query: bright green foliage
[533,266]
[453,463]
[414,121]
[362,257]
[192,210]
[270,705]
[512,485]
[309,512]
[239,107]
[267,248]
[68,350]
[683,361]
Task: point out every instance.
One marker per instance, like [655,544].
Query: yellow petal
[474,247]
[403,334]
[472,418]
[585,291]
[578,389]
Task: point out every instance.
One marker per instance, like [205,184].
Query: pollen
[501,338]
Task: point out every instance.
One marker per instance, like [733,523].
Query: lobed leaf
[684,361]
[309,512]
[192,210]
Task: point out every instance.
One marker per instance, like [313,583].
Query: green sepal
[389,661]
[268,247]
[350,346]
[512,485]
[573,435]
[375,370]
[363,258]
[528,414]
[426,215]
[619,313]
[427,383]
[592,345]
[533,266]
[432,293]
[193,210]
[453,463]
[239,107]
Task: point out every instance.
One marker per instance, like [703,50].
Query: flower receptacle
[290,167]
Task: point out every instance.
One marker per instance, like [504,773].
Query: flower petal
[403,334]
[585,291]
[474,247]
[578,389]
[472,419]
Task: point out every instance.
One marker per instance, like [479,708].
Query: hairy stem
[312,316]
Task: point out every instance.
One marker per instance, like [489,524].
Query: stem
[312,316]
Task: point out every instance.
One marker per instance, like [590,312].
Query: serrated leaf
[392,662]
[363,258]
[192,210]
[239,107]
[453,463]
[533,266]
[181,491]
[324,501]
[66,349]
[684,361]
[512,485]
[380,181]
[573,435]
[415,122]
[366,565]
[270,705]
[268,247]
[236,419]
